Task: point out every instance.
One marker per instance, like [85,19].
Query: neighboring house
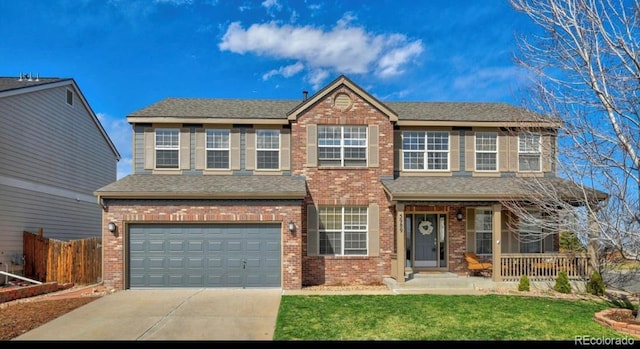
[54,154]
[336,188]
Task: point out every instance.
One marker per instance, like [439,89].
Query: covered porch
[434,227]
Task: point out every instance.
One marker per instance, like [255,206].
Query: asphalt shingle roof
[218,108]
[206,186]
[461,111]
[444,188]
[13,83]
[278,109]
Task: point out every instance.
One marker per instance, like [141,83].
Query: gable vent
[342,101]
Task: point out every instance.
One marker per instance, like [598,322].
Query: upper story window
[69,97]
[267,149]
[486,151]
[167,147]
[342,145]
[529,154]
[217,148]
[425,150]
[343,230]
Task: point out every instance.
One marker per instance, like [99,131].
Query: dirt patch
[23,315]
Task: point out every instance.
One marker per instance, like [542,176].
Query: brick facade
[346,186]
[124,212]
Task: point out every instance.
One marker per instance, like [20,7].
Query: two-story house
[54,153]
[336,188]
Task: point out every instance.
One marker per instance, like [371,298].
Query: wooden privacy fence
[50,260]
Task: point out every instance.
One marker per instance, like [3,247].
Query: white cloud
[286,71]
[271,4]
[392,63]
[120,133]
[344,48]
[316,77]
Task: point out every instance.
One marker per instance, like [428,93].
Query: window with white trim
[486,151]
[342,145]
[529,154]
[483,231]
[343,231]
[167,147]
[267,149]
[217,149]
[425,150]
[530,233]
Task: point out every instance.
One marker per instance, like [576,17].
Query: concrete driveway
[169,314]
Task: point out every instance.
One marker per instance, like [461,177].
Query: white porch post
[496,234]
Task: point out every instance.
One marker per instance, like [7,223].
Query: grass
[437,317]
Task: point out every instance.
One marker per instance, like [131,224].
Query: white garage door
[213,255]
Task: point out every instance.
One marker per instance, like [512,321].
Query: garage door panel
[136,246]
[212,255]
[176,263]
[234,245]
[156,245]
[272,246]
[214,246]
[214,263]
[176,245]
[234,262]
[195,262]
[254,246]
[272,262]
[195,245]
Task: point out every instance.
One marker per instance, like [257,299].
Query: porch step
[440,282]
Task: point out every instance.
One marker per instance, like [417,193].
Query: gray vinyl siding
[52,158]
[44,140]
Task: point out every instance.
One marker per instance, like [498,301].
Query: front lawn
[437,317]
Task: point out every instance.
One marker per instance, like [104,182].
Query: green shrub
[562,283]
[524,283]
[595,285]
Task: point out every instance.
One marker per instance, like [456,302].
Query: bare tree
[584,60]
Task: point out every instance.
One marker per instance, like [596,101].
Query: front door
[429,240]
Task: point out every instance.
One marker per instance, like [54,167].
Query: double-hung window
[529,154]
[167,148]
[343,231]
[217,149]
[425,150]
[342,145]
[486,151]
[530,233]
[268,149]
[483,231]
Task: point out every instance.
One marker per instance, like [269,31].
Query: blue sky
[128,54]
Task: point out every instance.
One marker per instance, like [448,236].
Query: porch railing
[543,266]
